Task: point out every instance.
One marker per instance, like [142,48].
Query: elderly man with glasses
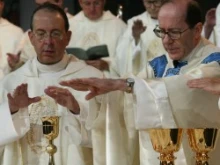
[163,99]
[132,50]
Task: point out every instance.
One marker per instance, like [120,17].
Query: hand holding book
[92,53]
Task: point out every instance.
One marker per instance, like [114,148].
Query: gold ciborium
[51,131]
[202,141]
[166,142]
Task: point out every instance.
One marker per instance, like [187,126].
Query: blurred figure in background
[92,27]
[132,55]
[211,29]
[215,36]
[10,36]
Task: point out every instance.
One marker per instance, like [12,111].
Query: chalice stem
[51,149]
[51,160]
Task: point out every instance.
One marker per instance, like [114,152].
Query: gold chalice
[202,141]
[166,142]
[51,131]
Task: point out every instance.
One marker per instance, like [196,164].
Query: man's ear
[69,34]
[31,36]
[80,3]
[198,30]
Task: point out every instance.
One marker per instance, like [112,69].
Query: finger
[63,92]
[50,92]
[19,55]
[64,83]
[22,89]
[34,100]
[196,84]
[90,96]
[10,98]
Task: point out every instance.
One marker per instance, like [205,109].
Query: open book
[92,53]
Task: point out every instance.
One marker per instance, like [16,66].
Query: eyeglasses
[173,34]
[42,35]
[95,3]
[156,3]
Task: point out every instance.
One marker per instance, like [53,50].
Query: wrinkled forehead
[47,17]
[172,16]
[172,10]
[40,2]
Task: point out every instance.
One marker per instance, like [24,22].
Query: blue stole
[159,64]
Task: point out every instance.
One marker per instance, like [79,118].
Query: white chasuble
[28,146]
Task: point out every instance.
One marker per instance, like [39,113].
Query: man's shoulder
[11,27]
[212,57]
[210,52]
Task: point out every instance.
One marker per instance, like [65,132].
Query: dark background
[19,11]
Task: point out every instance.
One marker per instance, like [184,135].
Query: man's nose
[167,39]
[48,39]
[152,6]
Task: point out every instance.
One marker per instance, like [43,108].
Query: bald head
[184,10]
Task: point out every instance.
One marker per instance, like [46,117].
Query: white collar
[61,65]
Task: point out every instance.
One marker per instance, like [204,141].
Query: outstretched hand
[96,86]
[20,99]
[208,84]
[63,97]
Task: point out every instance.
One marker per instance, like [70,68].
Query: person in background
[132,50]
[163,100]
[215,35]
[212,25]
[92,27]
[26,50]
[24,98]
[9,41]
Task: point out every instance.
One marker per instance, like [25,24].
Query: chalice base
[202,163]
[167,159]
[202,159]
[166,162]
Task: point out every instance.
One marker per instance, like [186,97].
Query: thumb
[90,96]
[19,54]
[34,100]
